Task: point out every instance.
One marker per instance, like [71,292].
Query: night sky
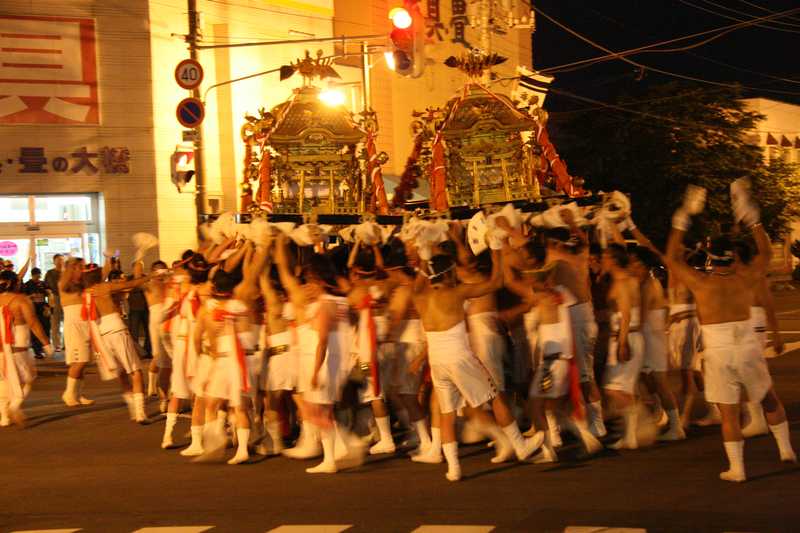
[752,56]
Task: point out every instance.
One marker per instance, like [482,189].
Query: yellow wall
[395,97]
[123,67]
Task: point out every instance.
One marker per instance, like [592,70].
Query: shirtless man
[549,390]
[161,364]
[118,352]
[656,358]
[571,260]
[369,296]
[626,345]
[18,369]
[406,332]
[323,332]
[77,343]
[763,317]
[458,377]
[684,330]
[733,359]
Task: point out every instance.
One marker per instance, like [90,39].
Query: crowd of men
[555,323]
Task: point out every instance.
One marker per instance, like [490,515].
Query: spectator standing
[51,279]
[40,294]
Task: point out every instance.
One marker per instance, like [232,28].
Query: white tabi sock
[735,452]
[422,432]
[384,428]
[781,434]
[172,419]
[242,455]
[138,406]
[555,431]
[328,464]
[128,397]
[450,450]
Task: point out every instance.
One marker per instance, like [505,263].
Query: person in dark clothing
[138,318]
[40,294]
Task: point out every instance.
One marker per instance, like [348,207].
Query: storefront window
[62,208]
[14,209]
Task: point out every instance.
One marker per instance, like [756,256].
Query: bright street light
[332,97]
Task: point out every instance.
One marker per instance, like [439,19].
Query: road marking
[324,528]
[47,531]
[174,529]
[453,529]
[603,529]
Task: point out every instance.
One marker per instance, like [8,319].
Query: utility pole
[199,167]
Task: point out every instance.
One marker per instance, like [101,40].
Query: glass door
[47,247]
[17,251]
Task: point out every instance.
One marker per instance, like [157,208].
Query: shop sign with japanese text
[32,160]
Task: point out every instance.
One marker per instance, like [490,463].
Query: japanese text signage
[436,29]
[33,160]
[48,71]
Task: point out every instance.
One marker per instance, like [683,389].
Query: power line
[657,70]
[762,8]
[730,17]
[617,55]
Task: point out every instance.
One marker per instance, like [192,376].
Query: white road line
[174,529]
[602,529]
[453,529]
[323,528]
[47,531]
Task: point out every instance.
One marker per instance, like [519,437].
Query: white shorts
[386,361]
[222,377]
[655,342]
[157,344]
[584,330]
[77,342]
[119,343]
[199,382]
[401,381]
[488,344]
[732,360]
[20,370]
[329,377]
[758,318]
[458,375]
[624,376]
[551,379]
[684,339]
[281,363]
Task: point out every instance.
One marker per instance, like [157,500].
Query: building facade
[88,107]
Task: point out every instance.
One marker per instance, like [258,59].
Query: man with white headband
[458,376]
[733,358]
[77,343]
[118,355]
[17,368]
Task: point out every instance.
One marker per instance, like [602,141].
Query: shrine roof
[477,108]
[304,114]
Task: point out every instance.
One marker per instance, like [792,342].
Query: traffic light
[407,54]
[182,167]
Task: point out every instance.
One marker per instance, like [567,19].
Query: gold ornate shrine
[308,156]
[481,147]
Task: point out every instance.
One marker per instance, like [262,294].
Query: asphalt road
[91,470]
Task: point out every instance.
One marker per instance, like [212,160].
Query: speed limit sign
[189,74]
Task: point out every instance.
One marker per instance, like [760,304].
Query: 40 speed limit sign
[189,74]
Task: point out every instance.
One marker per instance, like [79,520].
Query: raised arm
[463,255]
[494,283]
[693,203]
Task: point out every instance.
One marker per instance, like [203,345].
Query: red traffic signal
[407,54]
